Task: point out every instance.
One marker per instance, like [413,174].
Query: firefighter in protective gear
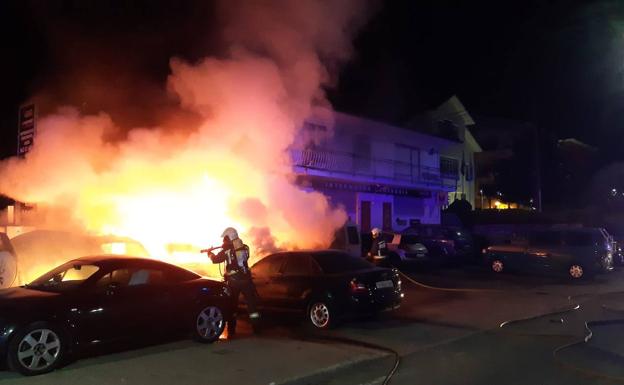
[238,276]
[379,248]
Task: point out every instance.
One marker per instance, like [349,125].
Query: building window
[449,167]
[313,134]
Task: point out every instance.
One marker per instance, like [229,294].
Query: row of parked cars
[89,303]
[579,252]
[423,244]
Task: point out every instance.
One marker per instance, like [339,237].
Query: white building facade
[384,176]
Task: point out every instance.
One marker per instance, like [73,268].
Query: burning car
[8,262]
[39,250]
[96,301]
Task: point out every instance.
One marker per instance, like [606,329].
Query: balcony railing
[345,163]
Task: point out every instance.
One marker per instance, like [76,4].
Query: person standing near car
[379,248]
[237,275]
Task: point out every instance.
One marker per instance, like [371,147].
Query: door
[295,282]
[126,302]
[263,274]
[544,248]
[365,216]
[387,216]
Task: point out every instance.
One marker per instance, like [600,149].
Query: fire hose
[557,350]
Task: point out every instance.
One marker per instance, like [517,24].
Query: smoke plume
[183,186]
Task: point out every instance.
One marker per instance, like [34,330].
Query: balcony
[348,165]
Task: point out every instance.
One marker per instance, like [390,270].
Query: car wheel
[321,315]
[498,266]
[209,324]
[37,349]
[576,271]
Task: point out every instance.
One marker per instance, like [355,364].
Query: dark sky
[553,63]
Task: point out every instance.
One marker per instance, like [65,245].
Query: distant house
[452,121]
[458,161]
[383,175]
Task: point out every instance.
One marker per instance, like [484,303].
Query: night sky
[554,64]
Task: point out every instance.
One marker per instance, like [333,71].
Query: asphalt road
[443,334]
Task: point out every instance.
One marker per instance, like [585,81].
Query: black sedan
[325,285]
[94,301]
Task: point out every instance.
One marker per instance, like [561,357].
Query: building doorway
[365,216]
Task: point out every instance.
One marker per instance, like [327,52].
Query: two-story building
[384,176]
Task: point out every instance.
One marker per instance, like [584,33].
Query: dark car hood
[22,293]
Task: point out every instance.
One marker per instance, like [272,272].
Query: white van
[347,238]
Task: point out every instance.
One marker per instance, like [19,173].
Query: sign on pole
[26,129]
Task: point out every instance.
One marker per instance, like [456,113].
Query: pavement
[443,334]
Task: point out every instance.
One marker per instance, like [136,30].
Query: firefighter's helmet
[231,233]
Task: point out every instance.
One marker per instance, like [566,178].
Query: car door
[263,274]
[295,281]
[99,314]
[126,302]
[544,250]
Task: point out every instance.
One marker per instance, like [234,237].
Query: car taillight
[357,287]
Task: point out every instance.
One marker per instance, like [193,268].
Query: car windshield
[65,277]
[335,263]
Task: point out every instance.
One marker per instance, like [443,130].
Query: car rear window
[334,263]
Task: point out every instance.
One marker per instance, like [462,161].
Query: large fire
[175,190]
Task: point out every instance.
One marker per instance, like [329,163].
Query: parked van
[347,238]
[578,252]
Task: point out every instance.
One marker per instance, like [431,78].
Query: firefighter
[379,249]
[238,277]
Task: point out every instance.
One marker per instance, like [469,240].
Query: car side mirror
[112,287]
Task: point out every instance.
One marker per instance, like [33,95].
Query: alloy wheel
[576,271]
[210,323]
[39,349]
[319,315]
[497,266]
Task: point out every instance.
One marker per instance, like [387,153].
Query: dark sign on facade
[327,184]
[26,129]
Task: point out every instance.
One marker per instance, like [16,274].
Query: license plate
[384,284]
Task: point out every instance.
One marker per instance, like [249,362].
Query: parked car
[579,252]
[325,286]
[406,248]
[440,248]
[95,301]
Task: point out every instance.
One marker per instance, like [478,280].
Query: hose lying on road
[417,283]
[585,371]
